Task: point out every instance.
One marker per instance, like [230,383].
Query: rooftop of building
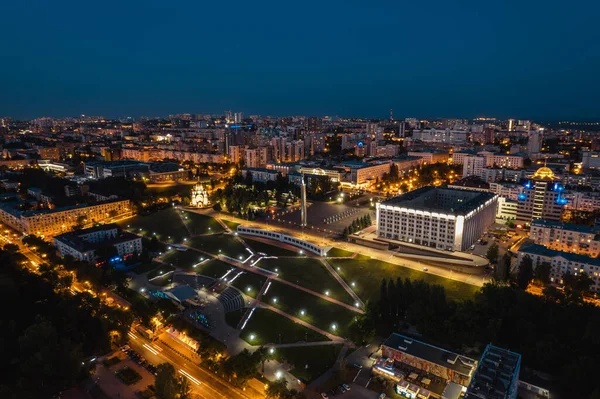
[544,173]
[11,207]
[432,198]
[497,372]
[405,158]
[165,167]
[540,250]
[115,164]
[75,240]
[431,151]
[472,182]
[433,354]
[263,170]
[563,226]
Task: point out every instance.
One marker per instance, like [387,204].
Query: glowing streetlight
[272,350]
[252,336]
[334,327]
[357,304]
[278,375]
[353,284]
[302,312]
[274,300]
[327,292]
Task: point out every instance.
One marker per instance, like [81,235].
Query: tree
[278,389]
[541,274]
[492,253]
[525,272]
[502,271]
[169,385]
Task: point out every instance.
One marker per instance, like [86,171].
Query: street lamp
[252,336]
[302,312]
[327,292]
[334,327]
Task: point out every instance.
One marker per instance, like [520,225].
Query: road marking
[158,348]
[356,376]
[185,373]
[149,348]
[132,335]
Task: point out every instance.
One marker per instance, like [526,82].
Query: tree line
[556,337]
[357,224]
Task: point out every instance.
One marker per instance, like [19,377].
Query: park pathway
[295,319]
[255,270]
[341,281]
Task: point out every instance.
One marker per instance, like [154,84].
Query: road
[204,383]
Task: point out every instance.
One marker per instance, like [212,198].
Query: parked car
[425,269]
[382,396]
[324,395]
[346,386]
[358,366]
[341,389]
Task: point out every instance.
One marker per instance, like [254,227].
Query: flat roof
[535,249]
[497,374]
[74,240]
[433,354]
[449,200]
[563,226]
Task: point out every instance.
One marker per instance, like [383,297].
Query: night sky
[526,59]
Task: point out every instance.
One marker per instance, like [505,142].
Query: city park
[291,296]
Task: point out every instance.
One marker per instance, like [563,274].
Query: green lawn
[183,259]
[213,268]
[166,224]
[159,271]
[268,327]
[318,358]
[309,273]
[201,224]
[271,250]
[248,283]
[318,312]
[339,253]
[232,225]
[367,274]
[225,242]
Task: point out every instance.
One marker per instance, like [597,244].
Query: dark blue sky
[527,59]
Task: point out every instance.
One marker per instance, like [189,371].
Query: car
[124,348]
[472,247]
[358,366]
[324,395]
[425,269]
[381,396]
[346,386]
[341,389]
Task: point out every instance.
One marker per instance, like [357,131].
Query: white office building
[441,218]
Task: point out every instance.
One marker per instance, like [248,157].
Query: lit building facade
[542,198]
[441,218]
[60,220]
[565,237]
[562,262]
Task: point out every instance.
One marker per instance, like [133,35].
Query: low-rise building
[565,237]
[261,174]
[496,376]
[50,222]
[442,363]
[431,156]
[562,262]
[83,244]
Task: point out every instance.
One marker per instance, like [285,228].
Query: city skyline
[434,60]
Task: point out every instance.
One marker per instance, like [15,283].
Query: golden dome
[544,173]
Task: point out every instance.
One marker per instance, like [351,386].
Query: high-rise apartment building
[542,197]
[534,144]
